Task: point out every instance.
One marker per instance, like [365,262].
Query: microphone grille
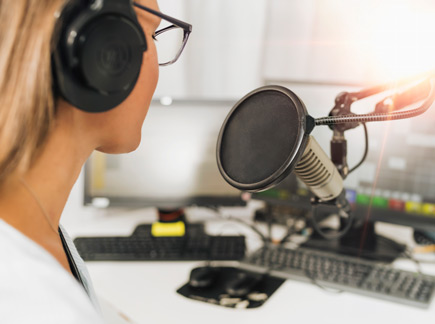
[311,170]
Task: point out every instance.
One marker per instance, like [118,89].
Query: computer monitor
[174,166]
[395,184]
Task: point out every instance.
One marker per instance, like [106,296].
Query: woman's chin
[120,147]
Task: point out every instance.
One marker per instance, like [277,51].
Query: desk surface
[146,291]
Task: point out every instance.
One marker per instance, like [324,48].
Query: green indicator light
[380,202]
[362,199]
[271,193]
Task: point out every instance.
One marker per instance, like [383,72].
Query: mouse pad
[216,294]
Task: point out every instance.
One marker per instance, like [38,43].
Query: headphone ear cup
[110,56]
[98,57]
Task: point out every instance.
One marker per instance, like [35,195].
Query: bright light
[403,38]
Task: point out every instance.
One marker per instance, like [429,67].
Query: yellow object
[429,209]
[424,249]
[168,229]
[413,207]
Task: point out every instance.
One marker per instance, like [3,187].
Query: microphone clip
[338,145]
[343,102]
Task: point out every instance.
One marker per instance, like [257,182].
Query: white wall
[223,56]
[350,42]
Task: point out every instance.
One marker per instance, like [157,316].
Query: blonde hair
[26,96]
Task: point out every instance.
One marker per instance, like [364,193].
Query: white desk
[146,291]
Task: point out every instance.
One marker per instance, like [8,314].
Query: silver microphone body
[318,172]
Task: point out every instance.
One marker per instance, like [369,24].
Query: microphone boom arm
[341,119]
[351,118]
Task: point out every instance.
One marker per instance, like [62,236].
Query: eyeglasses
[171,36]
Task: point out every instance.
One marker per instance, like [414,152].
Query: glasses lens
[169,41]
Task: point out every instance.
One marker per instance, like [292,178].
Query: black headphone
[98,55]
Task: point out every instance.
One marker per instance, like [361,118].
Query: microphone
[265,137]
[318,172]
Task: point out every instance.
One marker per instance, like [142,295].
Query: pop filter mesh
[259,137]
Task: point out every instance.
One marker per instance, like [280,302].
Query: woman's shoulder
[35,288]
[21,254]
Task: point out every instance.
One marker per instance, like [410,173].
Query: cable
[293,230]
[366,138]
[269,228]
[287,236]
[256,230]
[341,233]
[373,117]
[408,254]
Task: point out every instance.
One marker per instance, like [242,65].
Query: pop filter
[263,138]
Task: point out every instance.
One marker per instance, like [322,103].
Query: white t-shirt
[35,288]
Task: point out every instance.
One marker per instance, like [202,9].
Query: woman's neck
[33,203]
[56,170]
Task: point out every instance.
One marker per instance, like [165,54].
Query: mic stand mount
[341,118]
[340,205]
[419,87]
[338,142]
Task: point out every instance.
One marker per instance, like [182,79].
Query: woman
[45,138]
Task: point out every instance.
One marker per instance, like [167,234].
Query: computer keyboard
[142,246]
[344,273]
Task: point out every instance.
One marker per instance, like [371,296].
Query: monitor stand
[361,241]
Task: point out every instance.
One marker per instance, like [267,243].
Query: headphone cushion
[98,54]
[110,54]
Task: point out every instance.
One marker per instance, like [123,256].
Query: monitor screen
[395,184]
[397,181]
[174,166]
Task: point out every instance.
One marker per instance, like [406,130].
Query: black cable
[338,234]
[292,230]
[409,255]
[256,230]
[366,140]
[230,218]
[287,236]
[269,227]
